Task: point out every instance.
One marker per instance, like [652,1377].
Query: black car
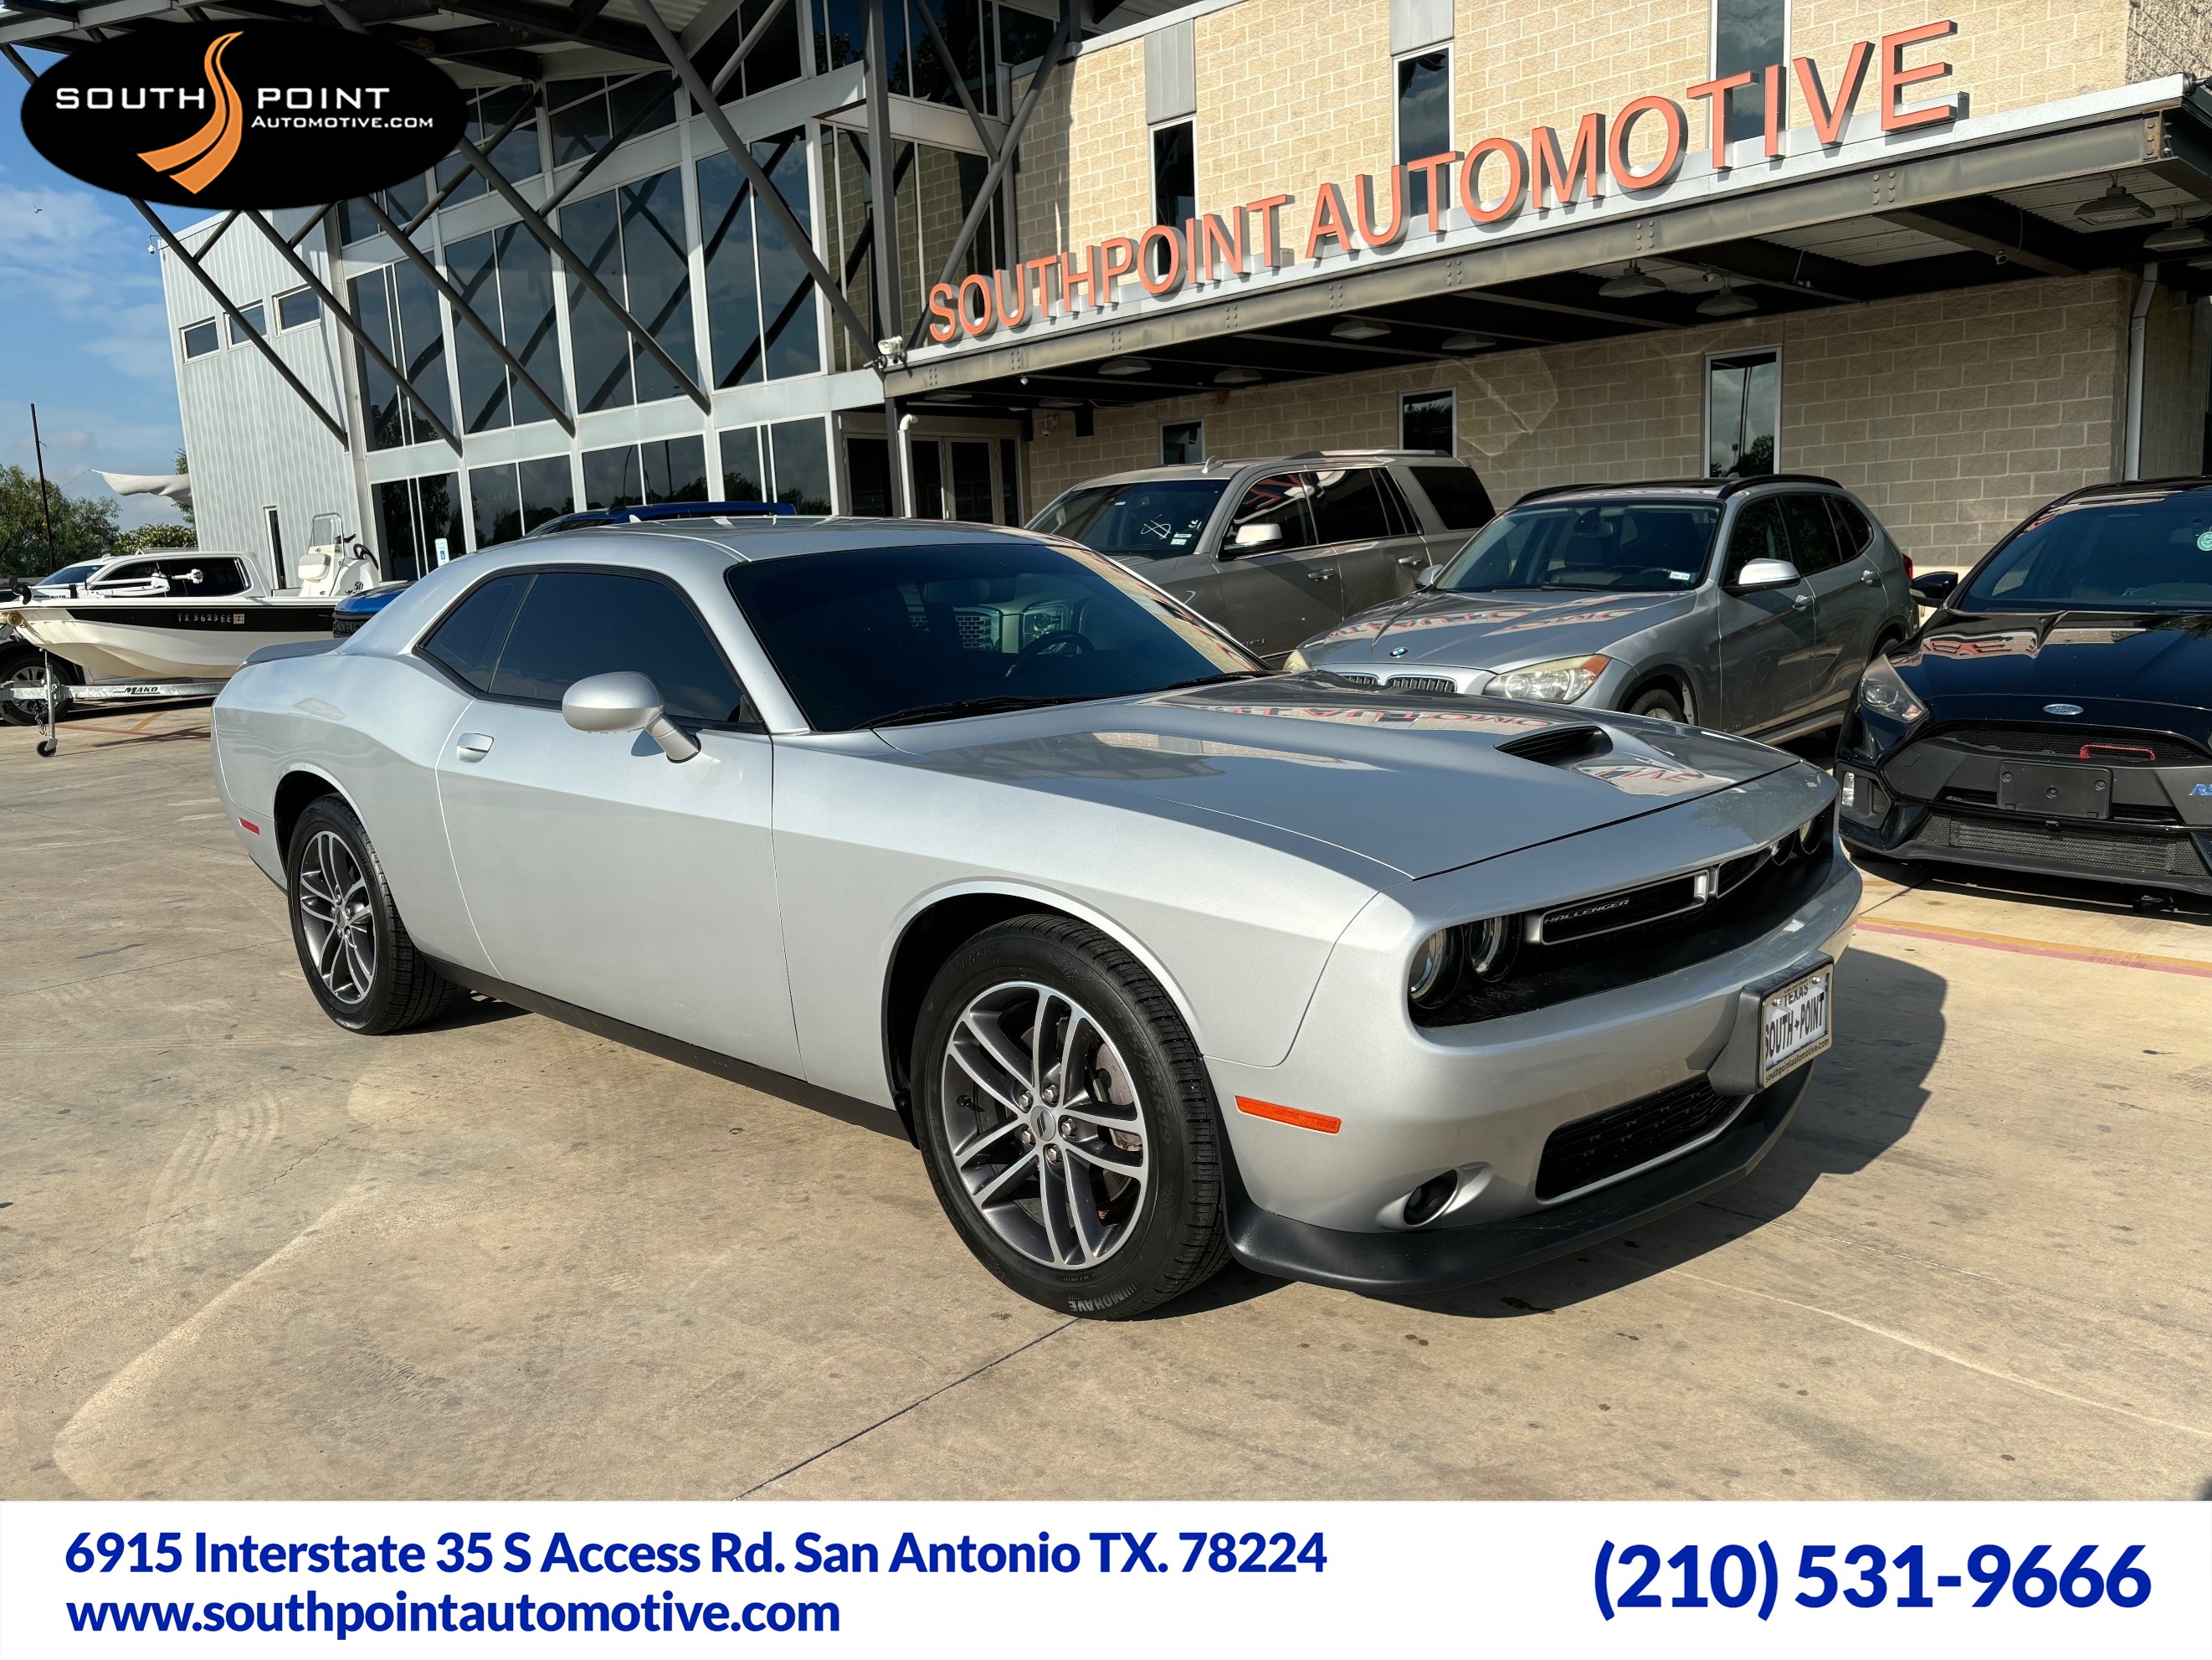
[2054,714]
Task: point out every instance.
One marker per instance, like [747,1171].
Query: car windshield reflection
[1158,518]
[1641,547]
[2149,553]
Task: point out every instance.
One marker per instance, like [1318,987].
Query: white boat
[181,615]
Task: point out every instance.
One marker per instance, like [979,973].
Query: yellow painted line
[2011,942]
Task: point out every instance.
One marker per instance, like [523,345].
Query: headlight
[1560,681]
[1882,692]
[1296,661]
[1445,961]
[1435,968]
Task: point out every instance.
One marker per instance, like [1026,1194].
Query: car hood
[1417,785]
[2087,658]
[1486,630]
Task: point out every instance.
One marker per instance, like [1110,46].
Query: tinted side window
[1348,506]
[216,576]
[1403,522]
[468,642]
[1851,525]
[1278,499]
[574,623]
[1758,535]
[1457,495]
[1812,534]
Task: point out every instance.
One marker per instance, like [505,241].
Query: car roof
[749,538]
[1706,489]
[2138,488]
[1228,466]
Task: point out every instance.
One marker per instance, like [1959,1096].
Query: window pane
[802,465]
[774,60]
[1747,35]
[1425,423]
[1010,482]
[868,477]
[742,473]
[495,501]
[422,333]
[404,200]
[927,460]
[200,339]
[380,392]
[526,298]
[794,343]
[438,507]
[1182,443]
[653,93]
[612,478]
[1812,541]
[1279,499]
[600,345]
[840,33]
[726,219]
[254,321]
[659,277]
[400,553]
[1758,534]
[297,308]
[1457,495]
[579,116]
[971,480]
[468,642]
[1348,507]
[1742,414]
[547,492]
[674,469]
[1423,122]
[483,377]
[1175,175]
[1853,528]
[578,623]
[1023,37]
[516,157]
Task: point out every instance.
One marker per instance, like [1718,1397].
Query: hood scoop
[1556,746]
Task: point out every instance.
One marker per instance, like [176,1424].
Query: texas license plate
[1793,1024]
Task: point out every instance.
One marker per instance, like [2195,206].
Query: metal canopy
[1989,214]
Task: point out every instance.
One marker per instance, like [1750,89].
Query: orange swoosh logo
[199,160]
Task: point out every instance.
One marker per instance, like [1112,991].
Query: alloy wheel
[1041,1116]
[336,918]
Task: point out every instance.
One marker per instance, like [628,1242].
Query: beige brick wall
[2169,37]
[2008,54]
[1953,415]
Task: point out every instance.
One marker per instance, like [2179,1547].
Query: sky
[82,332]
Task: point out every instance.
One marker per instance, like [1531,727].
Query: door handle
[473,746]
[1416,564]
[1803,602]
[1319,575]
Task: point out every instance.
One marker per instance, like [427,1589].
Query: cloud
[67,253]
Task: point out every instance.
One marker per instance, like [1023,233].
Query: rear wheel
[24,667]
[1067,1121]
[355,952]
[1656,700]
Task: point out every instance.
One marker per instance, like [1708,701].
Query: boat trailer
[59,695]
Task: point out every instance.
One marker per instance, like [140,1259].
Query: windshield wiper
[958,707]
[1204,680]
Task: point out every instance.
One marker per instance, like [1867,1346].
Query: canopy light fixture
[946,397]
[1631,284]
[1468,343]
[1121,367]
[1059,403]
[1359,328]
[1236,378]
[2114,207]
[1727,303]
[2177,237]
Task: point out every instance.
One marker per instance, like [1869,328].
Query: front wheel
[357,955]
[1656,700]
[1067,1121]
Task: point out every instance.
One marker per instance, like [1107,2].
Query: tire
[375,981]
[1657,701]
[1073,1235]
[25,666]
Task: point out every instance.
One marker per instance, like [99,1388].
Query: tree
[186,507]
[84,529]
[145,538]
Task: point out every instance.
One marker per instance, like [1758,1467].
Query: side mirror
[1758,574]
[1936,587]
[1250,537]
[625,701]
[1425,578]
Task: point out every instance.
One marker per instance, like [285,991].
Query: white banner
[1107,1579]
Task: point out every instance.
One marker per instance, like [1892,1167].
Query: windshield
[1639,546]
[1158,520]
[877,635]
[76,572]
[2109,553]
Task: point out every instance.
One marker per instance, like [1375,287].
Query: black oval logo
[243,114]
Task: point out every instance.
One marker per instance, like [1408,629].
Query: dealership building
[1958,261]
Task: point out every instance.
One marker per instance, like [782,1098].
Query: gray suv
[1276,551]
[1748,604]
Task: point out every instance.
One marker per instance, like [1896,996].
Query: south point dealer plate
[1793,1024]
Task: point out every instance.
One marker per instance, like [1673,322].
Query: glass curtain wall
[419,525]
[589,111]
[935,188]
[512,498]
[760,310]
[398,309]
[506,276]
[658,470]
[787,461]
[632,237]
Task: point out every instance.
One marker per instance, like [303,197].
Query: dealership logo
[252,115]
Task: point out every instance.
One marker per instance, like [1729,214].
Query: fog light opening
[1426,1202]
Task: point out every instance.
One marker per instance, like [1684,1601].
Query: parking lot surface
[246,1254]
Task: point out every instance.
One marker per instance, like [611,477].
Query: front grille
[2141,855]
[1356,679]
[1423,683]
[1620,1138]
[1611,911]
[2109,747]
[978,628]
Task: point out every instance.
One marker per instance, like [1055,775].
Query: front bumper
[1410,1263]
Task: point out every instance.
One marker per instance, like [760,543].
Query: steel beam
[752,38]
[1985,225]
[882,221]
[740,152]
[505,131]
[467,312]
[622,136]
[959,82]
[351,324]
[986,195]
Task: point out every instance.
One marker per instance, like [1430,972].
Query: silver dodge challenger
[1159,958]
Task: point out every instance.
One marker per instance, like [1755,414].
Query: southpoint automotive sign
[1497,182]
